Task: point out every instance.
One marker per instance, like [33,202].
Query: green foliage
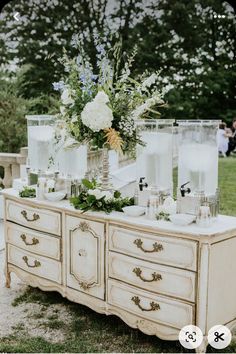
[14,108]
[163,216]
[88,332]
[27,192]
[88,201]
[178,37]
[12,117]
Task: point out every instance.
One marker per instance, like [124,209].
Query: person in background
[232,138]
[223,136]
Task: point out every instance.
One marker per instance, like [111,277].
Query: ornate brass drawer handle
[157,247]
[153,305]
[35,241]
[85,286]
[36,263]
[155,276]
[35,216]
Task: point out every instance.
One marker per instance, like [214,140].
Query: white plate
[182,219]
[134,210]
[55,196]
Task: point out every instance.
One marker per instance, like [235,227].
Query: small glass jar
[204,216]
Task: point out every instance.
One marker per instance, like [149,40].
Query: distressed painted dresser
[155,276]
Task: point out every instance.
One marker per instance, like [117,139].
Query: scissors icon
[218,336]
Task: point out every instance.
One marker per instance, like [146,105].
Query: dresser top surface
[223,225]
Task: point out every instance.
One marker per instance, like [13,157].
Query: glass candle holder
[155,158]
[40,141]
[198,155]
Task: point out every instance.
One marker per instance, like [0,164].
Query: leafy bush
[13,108]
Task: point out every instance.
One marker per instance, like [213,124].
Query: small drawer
[153,277]
[35,218]
[167,250]
[148,306]
[29,240]
[37,265]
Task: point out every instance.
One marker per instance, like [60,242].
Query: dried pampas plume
[114,139]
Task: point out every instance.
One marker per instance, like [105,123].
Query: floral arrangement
[27,192]
[100,105]
[92,198]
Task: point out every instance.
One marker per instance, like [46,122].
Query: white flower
[149,81]
[96,115]
[66,97]
[63,110]
[108,195]
[150,102]
[74,118]
[101,97]
[96,192]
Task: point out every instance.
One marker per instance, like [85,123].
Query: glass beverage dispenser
[40,141]
[197,164]
[155,158]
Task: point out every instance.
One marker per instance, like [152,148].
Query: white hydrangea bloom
[96,115]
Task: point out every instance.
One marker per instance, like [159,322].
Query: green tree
[192,43]
[13,109]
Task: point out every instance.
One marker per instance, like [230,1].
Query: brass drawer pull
[35,216]
[35,241]
[85,286]
[36,263]
[153,305]
[155,276]
[157,247]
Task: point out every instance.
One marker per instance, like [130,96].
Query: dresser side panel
[222,285]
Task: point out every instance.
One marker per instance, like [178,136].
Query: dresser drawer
[33,241]
[37,265]
[172,251]
[35,218]
[151,307]
[153,277]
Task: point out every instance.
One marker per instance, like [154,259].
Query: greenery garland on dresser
[94,199]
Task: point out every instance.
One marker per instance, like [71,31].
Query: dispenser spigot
[184,190]
[142,184]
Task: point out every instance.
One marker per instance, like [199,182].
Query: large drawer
[35,218]
[153,277]
[34,264]
[151,307]
[172,251]
[33,241]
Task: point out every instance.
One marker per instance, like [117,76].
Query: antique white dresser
[155,276]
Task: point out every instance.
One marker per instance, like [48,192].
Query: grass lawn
[91,332]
